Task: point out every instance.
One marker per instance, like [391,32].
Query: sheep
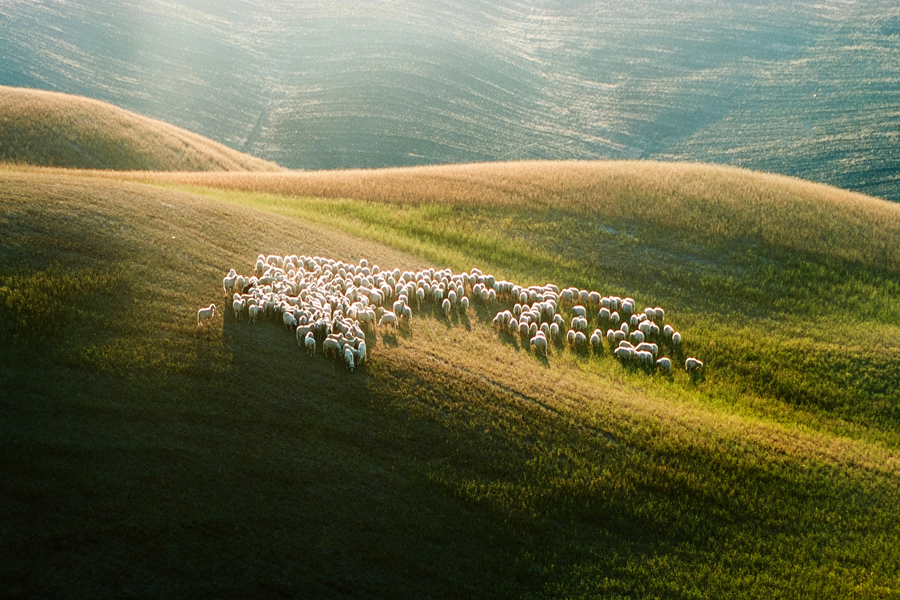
[615,319]
[604,314]
[513,326]
[596,341]
[610,336]
[407,313]
[464,304]
[554,331]
[645,346]
[238,306]
[664,364]
[254,312]
[637,336]
[579,311]
[676,338]
[349,359]
[581,340]
[619,335]
[539,342]
[624,354]
[570,337]
[668,331]
[445,306]
[660,316]
[625,344]
[310,342]
[331,347]
[361,353]
[206,313]
[692,364]
[290,322]
[624,328]
[645,358]
[388,318]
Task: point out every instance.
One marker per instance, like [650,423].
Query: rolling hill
[60,130]
[160,458]
[803,89]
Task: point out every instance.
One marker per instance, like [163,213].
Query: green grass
[163,459]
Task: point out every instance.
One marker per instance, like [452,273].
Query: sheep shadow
[390,339]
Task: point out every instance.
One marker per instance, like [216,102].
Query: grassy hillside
[162,459]
[799,88]
[60,130]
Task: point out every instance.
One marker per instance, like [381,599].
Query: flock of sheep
[330,305]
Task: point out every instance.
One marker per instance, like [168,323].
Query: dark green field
[805,89]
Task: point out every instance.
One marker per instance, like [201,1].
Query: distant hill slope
[799,88]
[60,130]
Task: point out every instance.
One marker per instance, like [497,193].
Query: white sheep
[388,318]
[570,336]
[290,322]
[361,353]
[331,347]
[349,359]
[464,304]
[539,342]
[692,364]
[637,336]
[206,313]
[597,341]
[668,331]
[581,340]
[254,312]
[310,342]
[624,354]
[579,311]
[665,364]
[238,306]
[676,338]
[648,347]
[445,306]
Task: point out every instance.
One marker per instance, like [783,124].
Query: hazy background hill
[62,130]
[798,88]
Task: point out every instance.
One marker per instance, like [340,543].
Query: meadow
[163,459]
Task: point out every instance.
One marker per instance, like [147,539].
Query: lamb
[692,364]
[206,313]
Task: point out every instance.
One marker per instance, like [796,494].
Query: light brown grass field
[48,128]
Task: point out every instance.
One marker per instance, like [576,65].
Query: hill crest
[45,128]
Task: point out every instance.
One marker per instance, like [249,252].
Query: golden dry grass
[61,130]
[713,203]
